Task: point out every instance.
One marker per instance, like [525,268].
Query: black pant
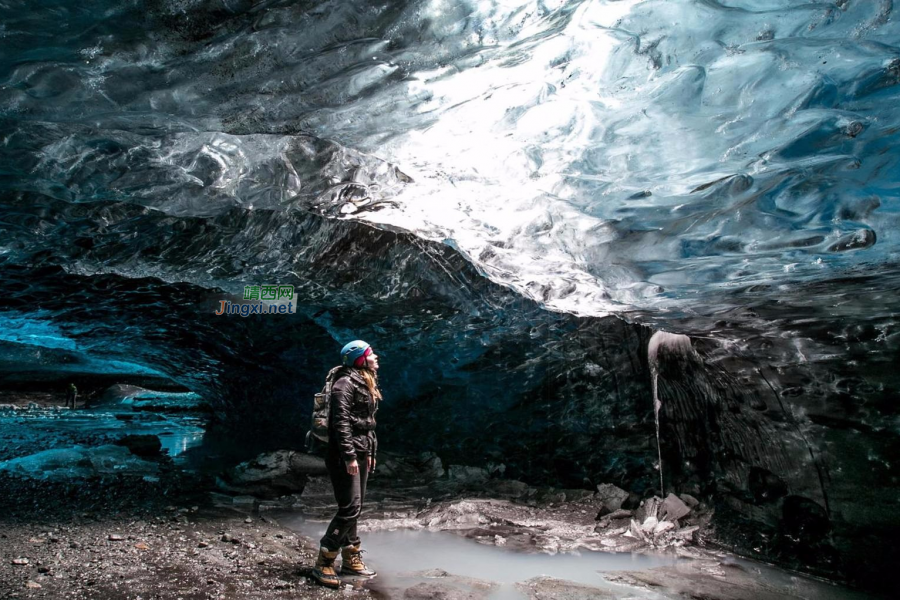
[349,491]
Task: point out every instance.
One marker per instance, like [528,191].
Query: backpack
[318,429]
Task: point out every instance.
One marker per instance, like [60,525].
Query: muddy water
[401,557]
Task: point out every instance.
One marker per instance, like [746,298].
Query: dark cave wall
[789,456]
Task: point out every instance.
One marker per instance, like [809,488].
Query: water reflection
[401,563]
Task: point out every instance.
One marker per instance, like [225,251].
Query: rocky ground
[94,531]
[184,552]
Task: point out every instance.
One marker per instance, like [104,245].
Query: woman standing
[350,458]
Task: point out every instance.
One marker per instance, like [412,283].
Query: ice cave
[631,268]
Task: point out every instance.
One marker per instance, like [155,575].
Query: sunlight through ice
[492,168]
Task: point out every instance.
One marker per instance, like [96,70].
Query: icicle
[673,343]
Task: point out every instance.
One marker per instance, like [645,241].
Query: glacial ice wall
[660,159]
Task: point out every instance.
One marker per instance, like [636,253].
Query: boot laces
[356,559]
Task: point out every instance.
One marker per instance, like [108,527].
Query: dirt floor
[185,553]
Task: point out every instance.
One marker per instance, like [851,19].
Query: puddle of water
[398,554]
[181,441]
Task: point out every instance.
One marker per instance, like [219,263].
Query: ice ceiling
[655,159]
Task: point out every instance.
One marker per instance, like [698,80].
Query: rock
[245,502]
[145,446]
[388,467]
[635,531]
[221,500]
[508,488]
[662,527]
[142,546]
[626,545]
[115,537]
[445,586]
[687,533]
[550,496]
[609,543]
[765,486]
[632,502]
[648,508]
[433,591]
[611,496]
[707,579]
[33,585]
[689,500]
[466,475]
[549,588]
[616,514]
[20,561]
[573,495]
[462,513]
[620,514]
[227,537]
[426,465]
[308,464]
[429,590]
[272,474]
[429,465]
[673,508]
[202,544]
[685,552]
[649,524]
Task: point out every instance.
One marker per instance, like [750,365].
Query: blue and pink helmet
[355,353]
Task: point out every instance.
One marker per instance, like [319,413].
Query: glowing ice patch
[22,329]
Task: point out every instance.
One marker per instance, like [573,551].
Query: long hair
[371,378]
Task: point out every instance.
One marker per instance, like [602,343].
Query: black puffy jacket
[351,417]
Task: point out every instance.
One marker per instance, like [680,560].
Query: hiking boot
[352,563]
[323,572]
